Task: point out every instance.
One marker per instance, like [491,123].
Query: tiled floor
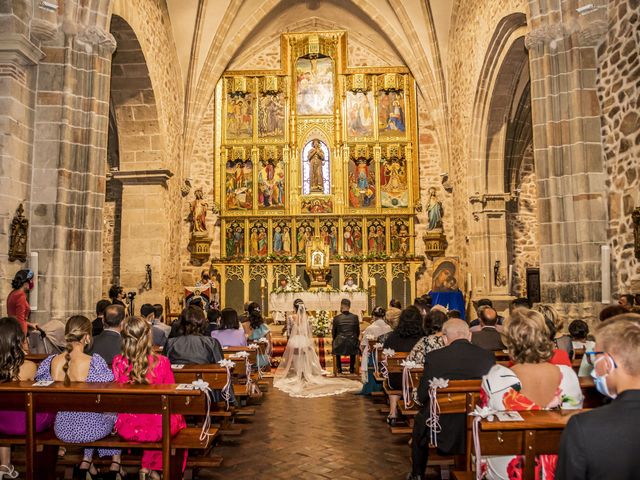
[342,437]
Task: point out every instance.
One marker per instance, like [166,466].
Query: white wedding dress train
[299,373]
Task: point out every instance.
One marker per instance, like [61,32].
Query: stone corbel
[488,204]
[44,30]
[92,36]
[141,177]
[544,34]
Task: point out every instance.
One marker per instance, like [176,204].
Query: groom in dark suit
[458,360]
[346,333]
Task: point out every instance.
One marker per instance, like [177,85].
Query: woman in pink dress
[138,364]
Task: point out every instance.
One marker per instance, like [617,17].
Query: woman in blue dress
[257,330]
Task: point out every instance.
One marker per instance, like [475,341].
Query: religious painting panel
[271,180]
[362,179]
[305,231]
[393,183]
[391,114]
[329,235]
[281,238]
[376,236]
[239,121]
[258,239]
[444,276]
[316,205]
[271,109]
[316,168]
[360,116]
[234,239]
[314,86]
[352,237]
[400,237]
[239,184]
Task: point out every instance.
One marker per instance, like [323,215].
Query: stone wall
[618,80]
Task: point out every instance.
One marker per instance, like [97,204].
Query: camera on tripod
[131,295]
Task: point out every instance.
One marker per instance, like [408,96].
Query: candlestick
[262,282]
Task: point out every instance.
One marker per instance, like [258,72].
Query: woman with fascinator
[299,373]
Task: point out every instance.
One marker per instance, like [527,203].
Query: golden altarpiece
[316,150]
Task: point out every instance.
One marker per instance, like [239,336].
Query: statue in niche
[434,210]
[198,214]
[316,161]
[19,236]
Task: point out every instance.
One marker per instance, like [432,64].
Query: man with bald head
[488,337]
[458,360]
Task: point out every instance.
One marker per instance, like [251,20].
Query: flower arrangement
[320,324]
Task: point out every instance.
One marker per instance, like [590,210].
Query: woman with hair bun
[17,303]
[14,367]
[138,364]
[257,330]
[378,327]
[73,365]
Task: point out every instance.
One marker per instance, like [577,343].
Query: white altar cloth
[279,303]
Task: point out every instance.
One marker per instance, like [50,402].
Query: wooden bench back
[394,364]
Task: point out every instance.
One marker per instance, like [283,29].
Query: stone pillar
[568,152]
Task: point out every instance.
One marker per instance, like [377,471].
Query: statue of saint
[199,213]
[19,236]
[434,210]
[316,161]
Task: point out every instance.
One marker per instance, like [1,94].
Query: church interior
[472,164]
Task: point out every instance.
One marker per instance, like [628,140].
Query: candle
[469,288]
[372,281]
[605,268]
[262,282]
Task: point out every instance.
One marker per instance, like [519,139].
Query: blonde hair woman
[561,338]
[138,364]
[532,383]
[75,366]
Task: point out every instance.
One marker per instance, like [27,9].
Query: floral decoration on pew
[479,414]
[376,348]
[226,390]
[386,353]
[203,386]
[407,382]
[433,422]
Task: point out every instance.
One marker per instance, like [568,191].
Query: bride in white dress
[299,373]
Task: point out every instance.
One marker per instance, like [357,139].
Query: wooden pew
[101,397]
[538,434]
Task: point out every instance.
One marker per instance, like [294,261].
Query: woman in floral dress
[532,383]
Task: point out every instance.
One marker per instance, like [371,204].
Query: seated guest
[230,334]
[158,319]
[193,346]
[532,383]
[459,359]
[454,313]
[488,336]
[257,329]
[520,302]
[393,313]
[603,443]
[579,331]
[562,340]
[97,326]
[402,339]
[138,364]
[606,313]
[148,312]
[213,318]
[109,344]
[378,327]
[14,367]
[627,301]
[434,338]
[482,303]
[75,366]
[422,306]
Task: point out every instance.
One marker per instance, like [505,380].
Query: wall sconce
[148,284]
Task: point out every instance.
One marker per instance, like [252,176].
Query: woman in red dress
[17,303]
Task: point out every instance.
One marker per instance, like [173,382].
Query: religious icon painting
[393,183]
[239,121]
[234,239]
[316,168]
[362,183]
[360,116]
[391,114]
[376,236]
[329,235]
[305,231]
[271,183]
[314,86]
[281,238]
[352,237]
[258,239]
[239,185]
[271,115]
[316,205]
[399,237]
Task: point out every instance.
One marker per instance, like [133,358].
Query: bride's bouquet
[320,324]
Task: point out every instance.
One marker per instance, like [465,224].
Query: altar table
[279,303]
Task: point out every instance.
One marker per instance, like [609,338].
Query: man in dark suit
[97,325]
[458,360]
[158,337]
[488,337]
[603,442]
[346,334]
[109,343]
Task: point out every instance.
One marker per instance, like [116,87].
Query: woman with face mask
[17,303]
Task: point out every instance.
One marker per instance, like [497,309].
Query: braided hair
[78,328]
